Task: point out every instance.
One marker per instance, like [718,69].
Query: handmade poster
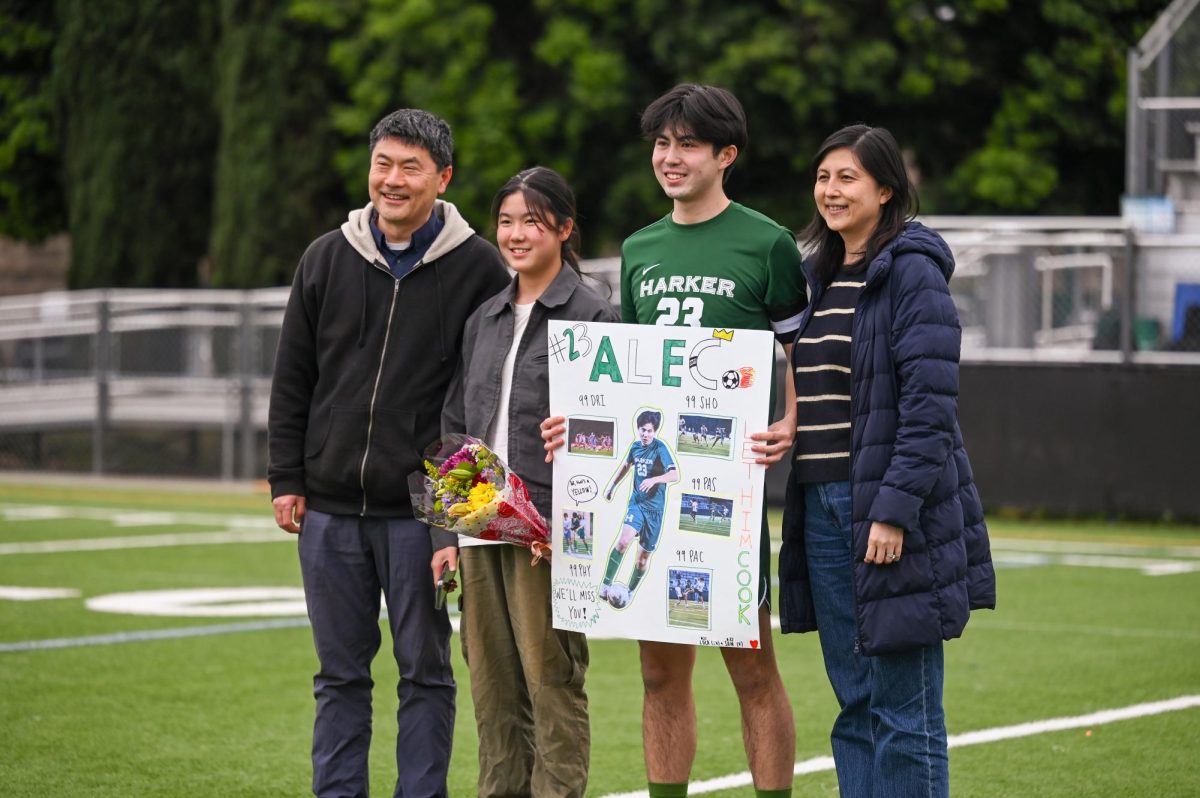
[657,500]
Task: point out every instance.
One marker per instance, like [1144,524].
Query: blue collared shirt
[401,261]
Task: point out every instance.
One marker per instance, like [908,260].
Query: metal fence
[1073,289]
[176,383]
[1163,108]
[170,382]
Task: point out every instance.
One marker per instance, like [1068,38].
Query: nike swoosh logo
[646,270]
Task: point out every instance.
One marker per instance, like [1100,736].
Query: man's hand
[444,559]
[777,441]
[289,512]
[553,430]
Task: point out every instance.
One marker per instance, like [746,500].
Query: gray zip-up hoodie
[474,395]
[364,360]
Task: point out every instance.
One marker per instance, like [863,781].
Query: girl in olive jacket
[526,677]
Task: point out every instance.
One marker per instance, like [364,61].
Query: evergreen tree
[276,187]
[133,82]
[31,200]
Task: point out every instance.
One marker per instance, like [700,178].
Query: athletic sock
[614,562]
[786,792]
[668,790]
[635,577]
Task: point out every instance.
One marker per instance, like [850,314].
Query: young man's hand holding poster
[657,499]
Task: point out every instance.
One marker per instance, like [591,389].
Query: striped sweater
[821,361]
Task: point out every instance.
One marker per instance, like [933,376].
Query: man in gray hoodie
[369,343]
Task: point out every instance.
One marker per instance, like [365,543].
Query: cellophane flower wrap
[467,489]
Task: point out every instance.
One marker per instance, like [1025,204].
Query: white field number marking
[220,602]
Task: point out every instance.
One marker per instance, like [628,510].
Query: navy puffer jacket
[908,466]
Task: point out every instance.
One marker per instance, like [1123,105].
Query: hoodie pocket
[392,456]
[331,464]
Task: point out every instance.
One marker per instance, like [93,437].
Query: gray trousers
[346,561]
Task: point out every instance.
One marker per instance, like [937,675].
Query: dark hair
[649,417]
[420,129]
[551,203]
[877,151]
[708,113]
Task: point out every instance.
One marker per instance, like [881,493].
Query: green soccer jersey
[737,270]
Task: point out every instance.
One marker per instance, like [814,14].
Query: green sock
[668,790]
[634,578]
[786,792]
[614,562]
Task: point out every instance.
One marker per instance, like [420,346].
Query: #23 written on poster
[657,500]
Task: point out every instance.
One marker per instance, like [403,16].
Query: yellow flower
[481,495]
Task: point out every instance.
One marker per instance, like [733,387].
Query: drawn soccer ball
[618,596]
[731,379]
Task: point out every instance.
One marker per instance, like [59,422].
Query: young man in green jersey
[712,263]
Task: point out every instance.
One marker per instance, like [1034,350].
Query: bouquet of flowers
[465,488]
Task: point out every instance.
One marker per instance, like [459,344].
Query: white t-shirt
[497,437]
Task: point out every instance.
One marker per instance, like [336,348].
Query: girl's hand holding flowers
[473,493]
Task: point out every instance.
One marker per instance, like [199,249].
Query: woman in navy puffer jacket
[885,551]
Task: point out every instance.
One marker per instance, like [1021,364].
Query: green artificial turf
[230,714]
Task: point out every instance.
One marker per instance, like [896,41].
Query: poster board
[640,402]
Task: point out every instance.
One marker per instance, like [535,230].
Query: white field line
[165,634]
[12,593]
[987,622]
[1010,551]
[255,626]
[1149,567]
[1150,560]
[1081,547]
[824,763]
[154,634]
[147,541]
[119,517]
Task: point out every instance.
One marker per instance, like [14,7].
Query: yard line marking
[1100,718]
[1078,547]
[205,602]
[155,634]
[13,593]
[255,626]
[1149,567]
[166,634]
[216,537]
[131,517]
[1072,547]
[986,623]
[824,763]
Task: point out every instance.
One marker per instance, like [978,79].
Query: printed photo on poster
[709,515]
[705,435]
[590,436]
[687,600]
[577,533]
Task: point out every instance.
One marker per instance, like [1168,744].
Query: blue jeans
[346,562]
[889,739]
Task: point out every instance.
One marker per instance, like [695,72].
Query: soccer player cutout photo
[654,468]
